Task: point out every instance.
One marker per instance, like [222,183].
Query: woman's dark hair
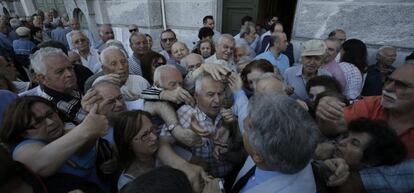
[355,53]
[17,118]
[8,83]
[147,62]
[159,180]
[262,64]
[205,32]
[197,49]
[330,83]
[384,148]
[126,126]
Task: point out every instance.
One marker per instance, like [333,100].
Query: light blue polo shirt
[293,77]
[281,62]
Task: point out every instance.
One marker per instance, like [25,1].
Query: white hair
[225,36]
[37,60]
[163,69]
[109,49]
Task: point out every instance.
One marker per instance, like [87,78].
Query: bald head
[268,83]
[133,28]
[168,77]
[192,61]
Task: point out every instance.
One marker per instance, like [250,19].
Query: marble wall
[376,22]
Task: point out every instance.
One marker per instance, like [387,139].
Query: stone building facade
[376,22]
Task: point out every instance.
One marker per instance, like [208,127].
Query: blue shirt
[240,108]
[23,46]
[294,78]
[281,62]
[259,177]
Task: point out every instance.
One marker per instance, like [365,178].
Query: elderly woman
[136,142]
[35,134]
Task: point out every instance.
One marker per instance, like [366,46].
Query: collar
[278,57]
[60,96]
[201,116]
[299,70]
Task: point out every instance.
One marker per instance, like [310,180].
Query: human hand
[324,150]
[197,176]
[289,90]
[235,82]
[228,116]
[187,137]
[340,169]
[330,109]
[218,72]
[94,125]
[213,186]
[91,97]
[178,96]
[195,126]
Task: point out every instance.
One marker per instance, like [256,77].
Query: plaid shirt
[217,169]
[354,80]
[69,105]
[134,65]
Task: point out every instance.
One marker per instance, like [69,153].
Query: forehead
[78,35]
[404,73]
[139,38]
[167,35]
[227,42]
[194,59]
[389,51]
[172,75]
[106,29]
[113,55]
[205,44]
[108,91]
[178,45]
[40,107]
[211,85]
[209,20]
[331,44]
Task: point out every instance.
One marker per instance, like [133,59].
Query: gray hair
[381,50]
[108,49]
[37,60]
[338,44]
[225,36]
[104,79]
[184,61]
[162,69]
[115,43]
[282,132]
[136,34]
[199,81]
[246,29]
[79,32]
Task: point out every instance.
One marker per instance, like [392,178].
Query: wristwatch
[171,127]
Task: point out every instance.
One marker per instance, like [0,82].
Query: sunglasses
[168,39]
[133,30]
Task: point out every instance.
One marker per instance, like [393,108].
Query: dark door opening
[234,10]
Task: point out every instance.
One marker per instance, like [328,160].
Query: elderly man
[57,80]
[109,99]
[179,50]
[268,83]
[248,35]
[89,56]
[115,68]
[192,61]
[395,106]
[296,77]
[133,28]
[224,52]
[168,77]
[378,73]
[333,47]
[105,33]
[278,44]
[139,45]
[209,97]
[277,169]
[208,21]
[340,35]
[167,39]
[74,24]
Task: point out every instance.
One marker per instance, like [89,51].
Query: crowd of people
[233,114]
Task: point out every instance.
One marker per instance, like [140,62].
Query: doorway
[234,10]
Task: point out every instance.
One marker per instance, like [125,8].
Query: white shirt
[92,61]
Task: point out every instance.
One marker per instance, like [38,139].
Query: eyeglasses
[41,121]
[147,134]
[133,30]
[168,39]
[398,83]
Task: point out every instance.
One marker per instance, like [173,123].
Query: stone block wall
[376,22]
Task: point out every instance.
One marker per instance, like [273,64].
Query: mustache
[389,94]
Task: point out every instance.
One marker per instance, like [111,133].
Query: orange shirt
[370,107]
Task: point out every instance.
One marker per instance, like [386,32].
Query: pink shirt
[336,71]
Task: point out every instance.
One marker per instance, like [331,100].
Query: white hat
[23,31]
